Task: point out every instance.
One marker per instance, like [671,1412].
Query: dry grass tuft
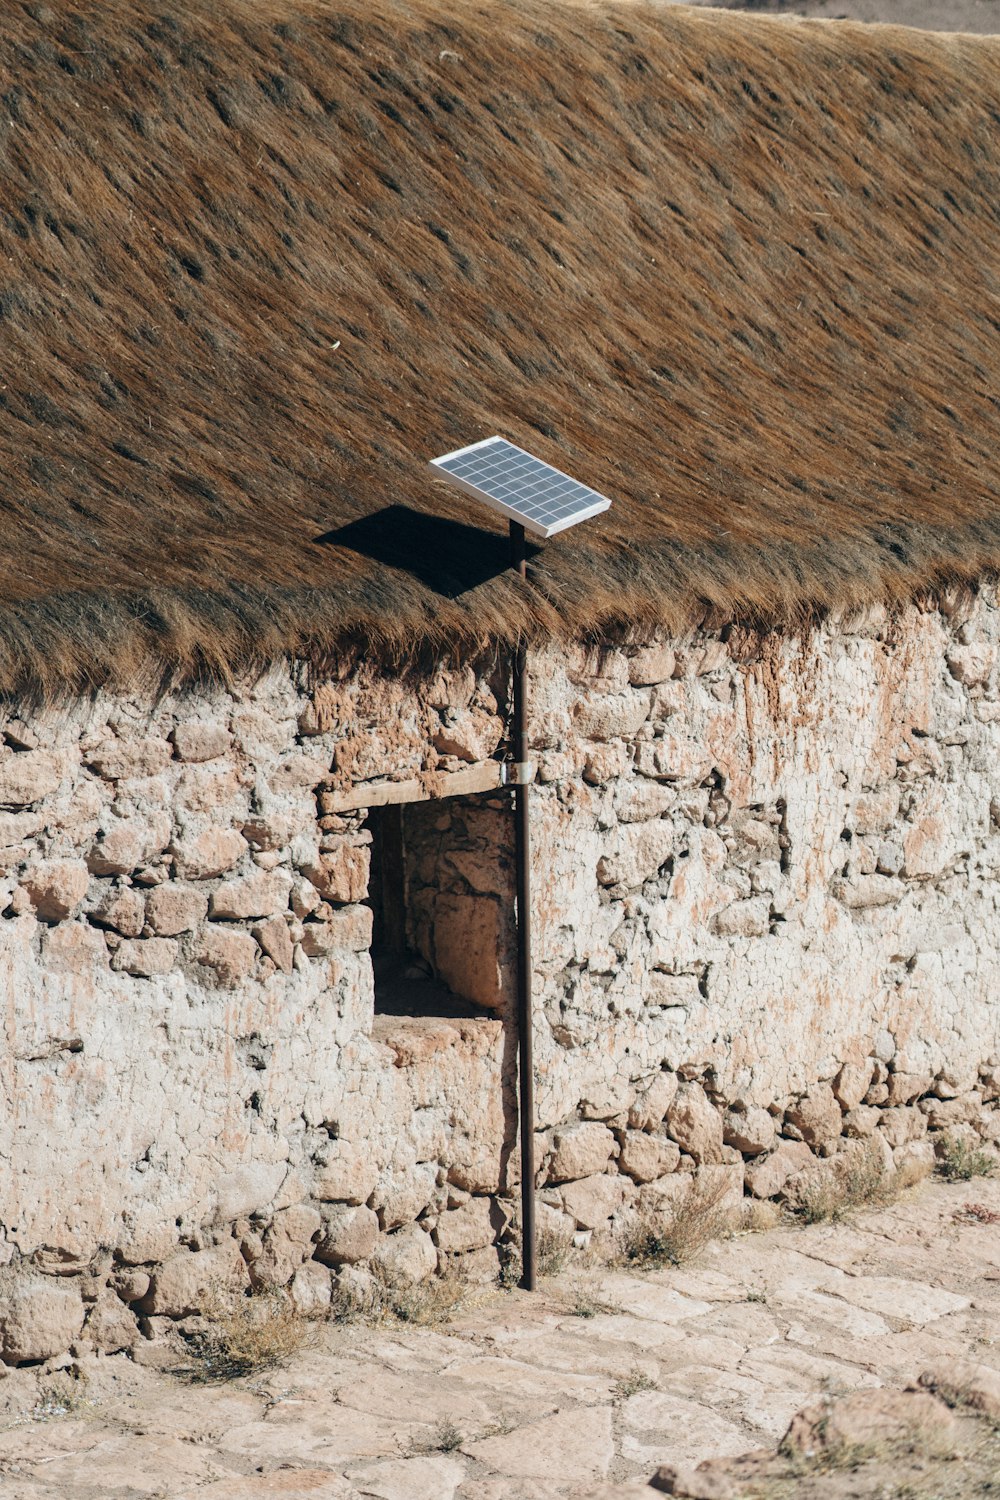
[631,1384]
[863,1182]
[445,1438]
[553,1249]
[585,1303]
[424,1305]
[758,1215]
[961,1160]
[651,1239]
[249,1334]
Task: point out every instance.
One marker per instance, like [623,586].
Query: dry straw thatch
[260,259]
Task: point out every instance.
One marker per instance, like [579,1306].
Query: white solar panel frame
[588,502]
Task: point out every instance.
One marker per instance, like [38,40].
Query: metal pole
[522,855]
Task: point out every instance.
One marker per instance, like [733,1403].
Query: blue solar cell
[521,487]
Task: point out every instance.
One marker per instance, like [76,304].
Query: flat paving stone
[665,1429]
[528,1383]
[282,1484]
[571,1447]
[420,1478]
[392,1396]
[649,1299]
[891,1297]
[599,1378]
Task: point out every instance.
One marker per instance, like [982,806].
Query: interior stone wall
[765,932]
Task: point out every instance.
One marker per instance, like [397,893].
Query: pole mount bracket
[517,773]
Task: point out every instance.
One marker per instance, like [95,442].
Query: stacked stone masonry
[765,913]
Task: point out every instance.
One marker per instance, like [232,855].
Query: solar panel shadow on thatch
[261,260]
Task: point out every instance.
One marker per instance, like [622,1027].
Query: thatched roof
[262,258]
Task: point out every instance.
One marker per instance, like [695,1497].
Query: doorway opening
[442,899]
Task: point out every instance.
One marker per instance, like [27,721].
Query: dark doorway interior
[403,957]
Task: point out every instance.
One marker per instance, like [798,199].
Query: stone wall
[765,930]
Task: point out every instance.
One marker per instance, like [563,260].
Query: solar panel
[521,487]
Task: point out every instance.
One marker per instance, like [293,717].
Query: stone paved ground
[521,1398]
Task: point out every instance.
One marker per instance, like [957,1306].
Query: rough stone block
[200,739]
[128,843]
[342,874]
[639,801]
[231,956]
[580,1151]
[965,1384]
[610,717]
[310,1291]
[73,948]
[591,1202]
[469,1227]
[349,929]
[195,1280]
[56,887]
[650,665]
[666,1195]
[130,1284]
[642,849]
[652,1101]
[274,830]
[245,1188]
[110,1327]
[605,762]
[943,1114]
[172,909]
[744,919]
[402,1196]
[145,957]
[914,1161]
[407,1257]
[971,665]
[673,757]
[866,1420]
[122,909]
[128,760]
[721,1187]
[39,1317]
[866,891]
[816,1116]
[861,1121]
[26,778]
[346,1235]
[905,1087]
[345,1173]
[275,940]
[469,734]
[766,1176]
[671,989]
[750,1130]
[298,773]
[288,1241]
[695,1124]
[645,1157]
[851,1084]
[261,894]
[469,937]
[209,854]
[902,1125]
[874,812]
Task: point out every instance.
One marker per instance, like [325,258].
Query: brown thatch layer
[260,260]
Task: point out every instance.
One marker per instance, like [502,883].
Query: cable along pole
[531,495]
[522,862]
